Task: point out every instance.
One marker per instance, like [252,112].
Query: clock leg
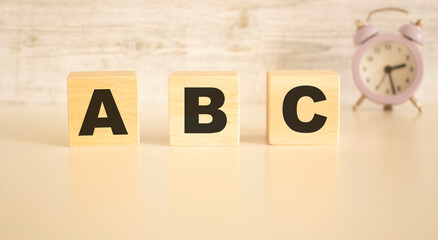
[358,102]
[416,104]
[387,108]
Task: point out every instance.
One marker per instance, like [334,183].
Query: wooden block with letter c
[204,108]
[102,108]
[302,107]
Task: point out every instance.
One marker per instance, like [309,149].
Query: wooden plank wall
[41,41]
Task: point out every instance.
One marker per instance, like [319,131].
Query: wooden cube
[102,108]
[302,107]
[204,108]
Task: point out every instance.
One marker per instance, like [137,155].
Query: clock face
[387,68]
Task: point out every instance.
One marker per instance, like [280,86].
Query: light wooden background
[41,41]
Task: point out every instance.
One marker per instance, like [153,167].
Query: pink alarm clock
[388,67]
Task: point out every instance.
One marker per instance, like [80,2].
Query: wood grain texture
[225,81]
[43,40]
[279,83]
[123,87]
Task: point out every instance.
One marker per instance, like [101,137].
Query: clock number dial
[387,68]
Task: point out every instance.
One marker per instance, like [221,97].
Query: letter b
[186,89]
[192,110]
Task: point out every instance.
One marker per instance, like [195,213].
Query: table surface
[380,182]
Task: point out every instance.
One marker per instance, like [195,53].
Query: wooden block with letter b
[302,107]
[102,108]
[204,108]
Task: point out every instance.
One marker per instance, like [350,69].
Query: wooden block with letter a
[102,108]
[204,108]
[302,107]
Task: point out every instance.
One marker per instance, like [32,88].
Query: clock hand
[398,66]
[381,81]
[392,83]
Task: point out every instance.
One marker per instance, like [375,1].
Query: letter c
[290,114]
